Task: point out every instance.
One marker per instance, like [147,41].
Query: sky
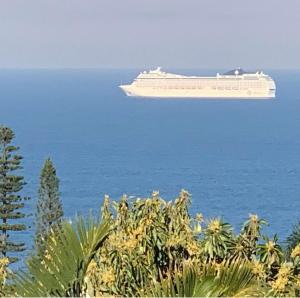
[146,33]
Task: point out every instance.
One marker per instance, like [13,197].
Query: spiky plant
[270,253]
[62,270]
[252,227]
[218,239]
[241,248]
[284,284]
[251,232]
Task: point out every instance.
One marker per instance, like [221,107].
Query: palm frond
[62,270]
[229,279]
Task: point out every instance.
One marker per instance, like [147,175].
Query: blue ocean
[234,156]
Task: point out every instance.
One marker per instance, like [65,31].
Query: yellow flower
[130,244]
[253,218]
[285,270]
[197,229]
[148,222]
[115,240]
[270,246]
[108,277]
[279,284]
[92,267]
[192,248]
[3,272]
[199,217]
[139,232]
[173,240]
[258,269]
[296,252]
[155,193]
[282,278]
[214,226]
[4,262]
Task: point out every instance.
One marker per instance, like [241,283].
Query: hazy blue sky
[142,33]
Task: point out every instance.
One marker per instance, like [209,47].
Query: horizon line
[137,68]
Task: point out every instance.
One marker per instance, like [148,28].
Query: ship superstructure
[236,83]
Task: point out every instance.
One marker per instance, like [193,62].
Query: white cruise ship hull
[233,84]
[194,93]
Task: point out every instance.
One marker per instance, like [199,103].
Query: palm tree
[227,280]
[62,270]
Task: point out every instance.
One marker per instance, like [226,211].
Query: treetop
[6,135]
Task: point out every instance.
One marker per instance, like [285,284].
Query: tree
[10,201]
[63,269]
[293,239]
[49,206]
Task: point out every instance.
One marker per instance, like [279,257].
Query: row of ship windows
[182,85]
[199,87]
[206,79]
[231,87]
[203,81]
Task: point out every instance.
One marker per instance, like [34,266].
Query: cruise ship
[235,83]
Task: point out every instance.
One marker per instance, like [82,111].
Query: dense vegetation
[151,247]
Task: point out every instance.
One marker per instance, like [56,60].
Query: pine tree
[10,201]
[49,207]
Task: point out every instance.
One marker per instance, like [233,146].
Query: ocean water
[234,156]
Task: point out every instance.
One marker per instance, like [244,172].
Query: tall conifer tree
[10,201]
[49,206]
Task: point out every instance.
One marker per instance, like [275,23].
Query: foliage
[155,246]
[3,275]
[294,238]
[62,270]
[151,247]
[226,279]
[217,239]
[149,238]
[49,207]
[10,201]
[270,252]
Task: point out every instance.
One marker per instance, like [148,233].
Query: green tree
[293,239]
[10,201]
[49,207]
